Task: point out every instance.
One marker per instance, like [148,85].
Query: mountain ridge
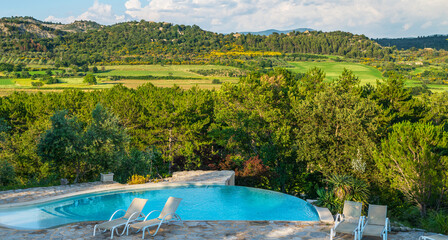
[271,31]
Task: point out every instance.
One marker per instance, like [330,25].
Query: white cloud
[374,18]
[99,12]
[133,4]
[60,20]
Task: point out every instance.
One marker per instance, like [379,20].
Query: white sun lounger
[167,215]
[134,211]
[434,237]
[350,221]
[377,223]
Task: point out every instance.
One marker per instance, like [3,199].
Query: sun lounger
[377,224]
[434,237]
[132,214]
[167,215]
[350,221]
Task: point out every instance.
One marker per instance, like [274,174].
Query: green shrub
[37,84]
[7,173]
[216,81]
[90,79]
[328,199]
[436,222]
[147,163]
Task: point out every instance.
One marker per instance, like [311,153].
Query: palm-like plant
[360,191]
[345,187]
[342,185]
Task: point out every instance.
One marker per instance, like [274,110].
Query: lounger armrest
[133,217]
[338,219]
[163,219]
[387,225]
[361,223]
[150,214]
[112,217]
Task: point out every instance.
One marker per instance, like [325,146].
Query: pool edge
[111,189]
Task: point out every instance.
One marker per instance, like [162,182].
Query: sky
[373,18]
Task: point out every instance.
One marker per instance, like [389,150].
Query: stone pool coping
[179,179]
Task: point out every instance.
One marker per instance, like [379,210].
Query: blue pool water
[199,203]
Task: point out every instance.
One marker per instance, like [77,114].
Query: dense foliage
[435,41]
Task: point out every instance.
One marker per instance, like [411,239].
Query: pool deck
[237,230]
[198,230]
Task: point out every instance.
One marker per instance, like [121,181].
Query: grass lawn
[333,70]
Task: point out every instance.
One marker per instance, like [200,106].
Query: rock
[64,181]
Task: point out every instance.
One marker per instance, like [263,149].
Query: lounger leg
[160,224]
[112,233]
[94,229]
[124,229]
[144,230]
[331,234]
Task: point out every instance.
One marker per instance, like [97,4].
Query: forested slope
[151,42]
[436,41]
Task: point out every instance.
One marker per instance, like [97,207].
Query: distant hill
[28,27]
[28,40]
[271,31]
[434,41]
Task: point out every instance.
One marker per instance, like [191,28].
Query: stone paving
[25,195]
[199,230]
[235,230]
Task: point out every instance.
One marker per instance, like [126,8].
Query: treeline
[288,132]
[436,41]
[153,43]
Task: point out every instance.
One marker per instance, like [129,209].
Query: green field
[43,72]
[158,70]
[333,70]
[6,82]
[365,73]
[182,71]
[188,79]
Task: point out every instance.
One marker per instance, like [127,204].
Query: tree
[414,158]
[253,119]
[335,132]
[62,144]
[37,84]
[347,81]
[90,79]
[106,140]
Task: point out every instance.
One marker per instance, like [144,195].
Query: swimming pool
[199,203]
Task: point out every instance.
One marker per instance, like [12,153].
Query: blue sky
[374,18]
